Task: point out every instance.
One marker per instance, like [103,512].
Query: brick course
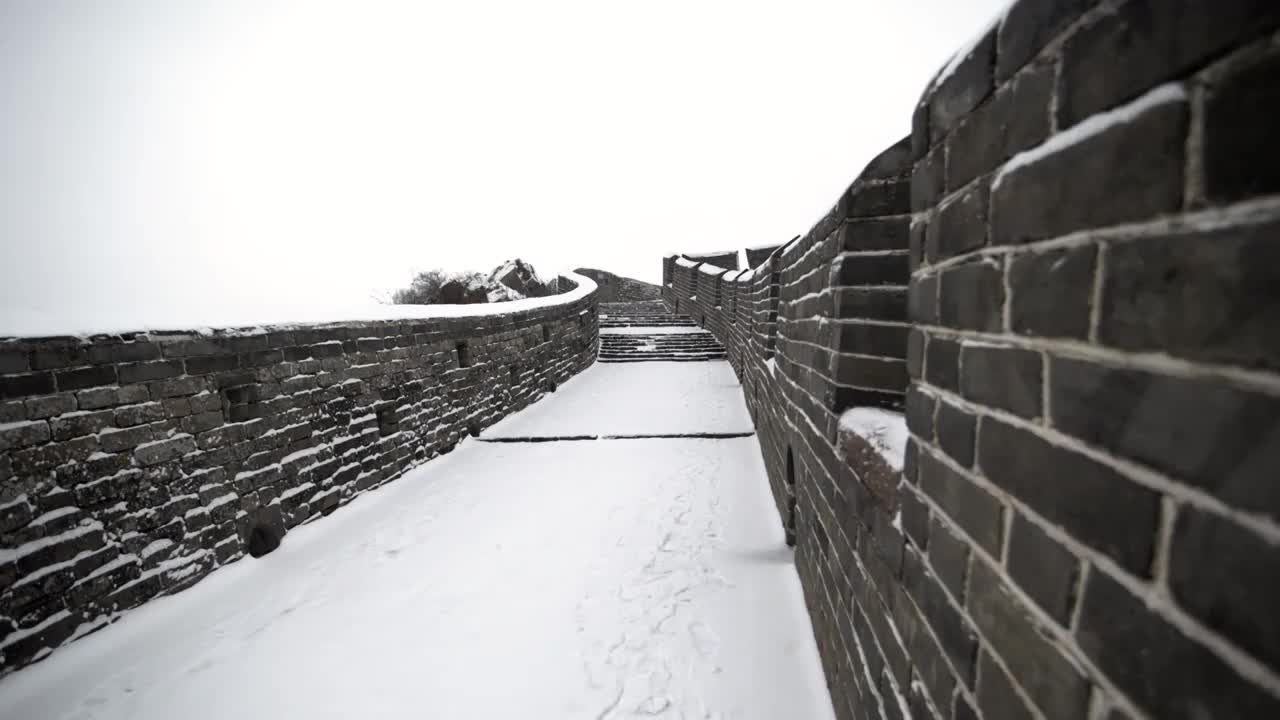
[133,465]
[1088,524]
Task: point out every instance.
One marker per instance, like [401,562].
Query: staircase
[648,331]
[647,313]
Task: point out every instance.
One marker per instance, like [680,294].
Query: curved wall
[1086,524]
[132,465]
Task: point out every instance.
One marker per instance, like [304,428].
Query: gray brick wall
[133,465]
[1073,261]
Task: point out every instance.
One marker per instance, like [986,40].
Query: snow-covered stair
[639,332]
[640,314]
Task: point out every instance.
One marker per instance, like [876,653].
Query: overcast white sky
[156,152]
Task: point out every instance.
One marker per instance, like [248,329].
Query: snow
[11,554]
[674,330]
[604,579]
[709,269]
[125,317]
[155,546]
[685,262]
[1167,93]
[884,429]
[641,398]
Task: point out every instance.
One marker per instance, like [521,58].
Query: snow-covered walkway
[586,579]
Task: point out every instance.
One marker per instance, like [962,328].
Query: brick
[920,136]
[1016,119]
[80,423]
[1044,569]
[1028,26]
[872,339]
[218,363]
[40,459]
[16,386]
[146,371]
[915,518]
[50,635]
[196,424]
[870,269]
[1038,665]
[14,360]
[922,300]
[972,296]
[114,441]
[131,415]
[876,373]
[955,428]
[1226,576]
[942,364]
[949,557]
[1156,665]
[928,659]
[1223,440]
[960,225]
[1126,172]
[55,356]
[1095,504]
[949,626]
[155,453]
[1206,296]
[996,696]
[915,354]
[195,347]
[12,411]
[878,198]
[968,85]
[1149,42]
[178,387]
[1001,377]
[972,508]
[97,398]
[261,358]
[62,550]
[1238,130]
[916,242]
[885,304]
[15,514]
[110,353]
[50,405]
[928,181]
[919,413]
[1051,293]
[85,377]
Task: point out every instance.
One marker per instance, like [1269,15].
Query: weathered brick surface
[153,458]
[1089,526]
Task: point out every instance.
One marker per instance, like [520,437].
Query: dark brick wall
[1087,523]
[133,465]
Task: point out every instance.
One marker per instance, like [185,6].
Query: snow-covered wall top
[122,317]
[1085,523]
[133,464]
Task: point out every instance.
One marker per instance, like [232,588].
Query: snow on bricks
[132,465]
[1083,523]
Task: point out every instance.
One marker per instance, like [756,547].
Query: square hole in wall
[464,355]
[241,403]
[546,333]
